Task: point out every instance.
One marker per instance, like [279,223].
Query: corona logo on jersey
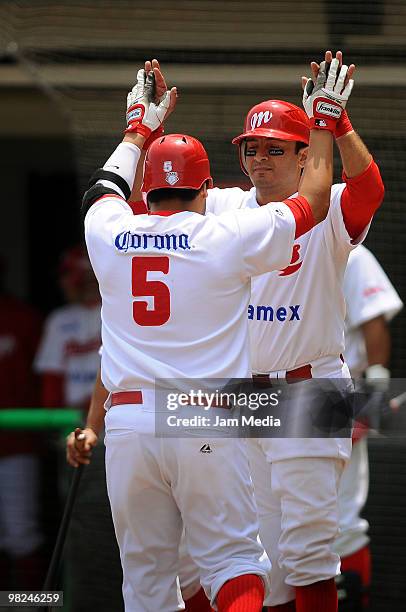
[273,119]
[170,242]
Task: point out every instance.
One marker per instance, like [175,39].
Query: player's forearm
[361,198]
[136,194]
[377,341]
[96,414]
[317,178]
[116,178]
[355,156]
[128,164]
[135,139]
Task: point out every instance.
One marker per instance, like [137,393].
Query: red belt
[135,397]
[126,397]
[292,376]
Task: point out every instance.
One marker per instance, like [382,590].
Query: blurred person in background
[21,537]
[68,358]
[371,302]
[68,361]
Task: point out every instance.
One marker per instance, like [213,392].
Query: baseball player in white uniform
[371,302]
[159,276]
[67,357]
[296,318]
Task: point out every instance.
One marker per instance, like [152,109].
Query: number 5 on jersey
[158,290]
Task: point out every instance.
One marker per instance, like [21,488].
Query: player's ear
[302,157]
[203,190]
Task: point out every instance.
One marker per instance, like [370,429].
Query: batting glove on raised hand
[143,115]
[325,100]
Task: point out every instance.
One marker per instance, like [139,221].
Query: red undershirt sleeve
[362,196]
[303,214]
[139,207]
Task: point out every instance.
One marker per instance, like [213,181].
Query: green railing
[64,419]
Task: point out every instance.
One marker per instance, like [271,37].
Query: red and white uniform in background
[20,533]
[156,273]
[296,318]
[368,294]
[69,350]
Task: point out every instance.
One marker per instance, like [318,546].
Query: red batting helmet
[177,161]
[75,266]
[273,119]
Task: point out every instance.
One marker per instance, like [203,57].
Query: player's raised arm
[159,91]
[144,117]
[364,190]
[324,101]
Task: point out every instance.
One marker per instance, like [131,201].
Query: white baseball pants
[298,518]
[155,487]
[352,497]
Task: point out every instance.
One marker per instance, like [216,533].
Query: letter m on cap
[258,118]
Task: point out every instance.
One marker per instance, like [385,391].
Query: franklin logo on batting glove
[328,109]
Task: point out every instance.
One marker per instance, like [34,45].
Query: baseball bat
[51,576]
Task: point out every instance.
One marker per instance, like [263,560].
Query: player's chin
[263,180]
[260,174]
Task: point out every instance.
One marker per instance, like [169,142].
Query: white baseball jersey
[70,346]
[296,314]
[368,294]
[158,272]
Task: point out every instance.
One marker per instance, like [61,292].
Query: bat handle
[63,529]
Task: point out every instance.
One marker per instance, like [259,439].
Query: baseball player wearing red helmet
[154,271]
[296,481]
[296,319]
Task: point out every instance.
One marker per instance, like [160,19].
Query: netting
[70,63]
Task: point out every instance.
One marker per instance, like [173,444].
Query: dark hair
[300,146]
[184,195]
[169,193]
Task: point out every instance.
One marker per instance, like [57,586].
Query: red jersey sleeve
[303,214]
[361,198]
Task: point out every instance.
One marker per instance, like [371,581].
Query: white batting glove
[325,101]
[143,115]
[378,377]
